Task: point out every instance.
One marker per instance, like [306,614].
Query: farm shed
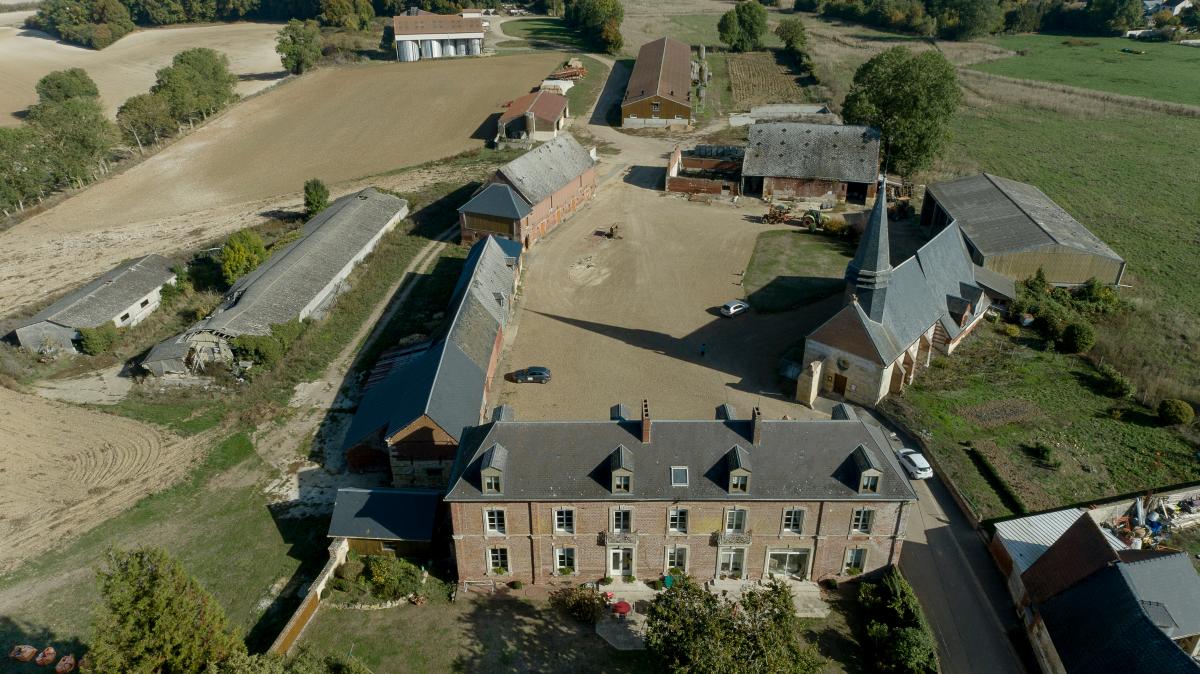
[299,282]
[538,116]
[552,181]
[1014,229]
[705,169]
[124,296]
[785,112]
[386,521]
[424,35]
[788,160]
[659,92]
[415,410]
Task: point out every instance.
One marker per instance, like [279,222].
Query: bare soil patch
[757,78]
[65,469]
[337,124]
[1000,412]
[127,68]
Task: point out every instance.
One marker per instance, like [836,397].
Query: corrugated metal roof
[1027,538]
[663,68]
[546,169]
[816,151]
[385,514]
[499,200]
[1000,215]
[106,297]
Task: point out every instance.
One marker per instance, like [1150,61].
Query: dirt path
[65,469]
[309,487]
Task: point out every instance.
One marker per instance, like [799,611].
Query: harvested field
[338,124]
[66,469]
[127,68]
[758,78]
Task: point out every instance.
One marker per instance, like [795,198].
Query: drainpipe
[533,556]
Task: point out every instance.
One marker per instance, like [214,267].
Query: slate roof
[571,460]
[818,151]
[1001,216]
[448,382]
[1027,538]
[498,200]
[280,288]
[545,105]
[546,169]
[427,23]
[1170,583]
[385,514]
[1100,627]
[108,296]
[663,68]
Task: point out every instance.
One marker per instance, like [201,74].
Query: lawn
[718,96]
[217,524]
[1000,396]
[581,96]
[546,28]
[792,267]
[1166,71]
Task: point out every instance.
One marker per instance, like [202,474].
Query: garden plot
[758,78]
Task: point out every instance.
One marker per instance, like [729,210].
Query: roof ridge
[991,178]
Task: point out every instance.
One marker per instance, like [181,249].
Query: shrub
[1175,412]
[853,571]
[1050,324]
[806,6]
[516,585]
[1043,453]
[350,569]
[607,580]
[565,570]
[896,630]
[95,341]
[241,254]
[1077,338]
[630,579]
[392,577]
[1113,383]
[261,349]
[316,197]
[1011,330]
[1116,413]
[581,603]
[655,584]
[829,583]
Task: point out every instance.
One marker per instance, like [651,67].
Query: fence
[312,600]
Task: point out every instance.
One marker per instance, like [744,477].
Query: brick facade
[531,540]
[547,214]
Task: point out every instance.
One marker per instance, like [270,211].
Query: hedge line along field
[337,124]
[127,68]
[1167,72]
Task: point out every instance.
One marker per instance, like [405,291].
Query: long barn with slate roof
[123,297]
[1014,229]
[896,316]
[725,497]
[787,160]
[414,412]
[299,282]
[530,195]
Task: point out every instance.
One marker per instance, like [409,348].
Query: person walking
[703,349]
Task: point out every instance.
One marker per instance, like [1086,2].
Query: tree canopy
[597,21]
[794,37]
[1116,16]
[316,197]
[242,252]
[299,45]
[145,118]
[197,83]
[910,99]
[742,27]
[352,14]
[62,85]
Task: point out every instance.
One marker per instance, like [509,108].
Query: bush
[581,603]
[516,585]
[1175,412]
[392,577]
[1113,383]
[1043,453]
[350,569]
[630,579]
[897,632]
[806,6]
[316,197]
[1077,338]
[95,341]
[829,583]
[260,349]
[607,580]
[241,254]
[1012,330]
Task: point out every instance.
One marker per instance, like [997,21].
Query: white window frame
[743,480]
[846,563]
[491,569]
[730,512]
[487,489]
[612,521]
[732,550]
[862,513]
[574,559]
[873,489]
[502,521]
[687,558]
[808,560]
[681,516]
[685,476]
[564,530]
[783,524]
[626,480]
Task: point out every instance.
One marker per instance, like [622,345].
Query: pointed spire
[868,273]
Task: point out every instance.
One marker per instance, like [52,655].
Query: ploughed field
[337,124]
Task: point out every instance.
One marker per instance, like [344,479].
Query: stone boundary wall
[312,600]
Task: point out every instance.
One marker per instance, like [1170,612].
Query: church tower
[868,273]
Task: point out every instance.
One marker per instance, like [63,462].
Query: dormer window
[491,469]
[620,463]
[738,463]
[679,476]
[869,470]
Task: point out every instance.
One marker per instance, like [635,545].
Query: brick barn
[418,404]
[529,196]
[659,92]
[727,497]
[790,160]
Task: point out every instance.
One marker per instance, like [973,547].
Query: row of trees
[598,21]
[197,84]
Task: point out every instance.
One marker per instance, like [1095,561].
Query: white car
[914,464]
[733,308]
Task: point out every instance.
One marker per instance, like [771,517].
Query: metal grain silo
[435,49]
[408,51]
[476,46]
[449,49]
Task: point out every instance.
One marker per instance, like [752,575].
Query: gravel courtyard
[621,320]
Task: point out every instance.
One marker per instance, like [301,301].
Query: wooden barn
[659,92]
[1014,229]
[791,160]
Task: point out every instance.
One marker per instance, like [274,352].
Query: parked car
[914,464]
[734,308]
[536,375]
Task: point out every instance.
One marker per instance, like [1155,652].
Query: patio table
[622,608]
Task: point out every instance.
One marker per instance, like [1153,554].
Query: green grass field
[1165,72]
[581,96]
[791,268]
[546,28]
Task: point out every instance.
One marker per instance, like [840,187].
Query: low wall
[312,600]
[701,186]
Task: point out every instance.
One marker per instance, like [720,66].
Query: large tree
[794,37]
[153,617]
[352,14]
[910,99]
[1116,16]
[742,27]
[76,137]
[197,83]
[145,118]
[24,169]
[299,45]
[241,254]
[61,85]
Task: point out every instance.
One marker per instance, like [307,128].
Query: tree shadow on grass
[13,633]
[308,542]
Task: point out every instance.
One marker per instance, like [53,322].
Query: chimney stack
[756,427]
[645,422]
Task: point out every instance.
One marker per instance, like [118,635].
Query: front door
[839,384]
[793,563]
[620,562]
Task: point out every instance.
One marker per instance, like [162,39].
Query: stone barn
[1014,229]
[792,160]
